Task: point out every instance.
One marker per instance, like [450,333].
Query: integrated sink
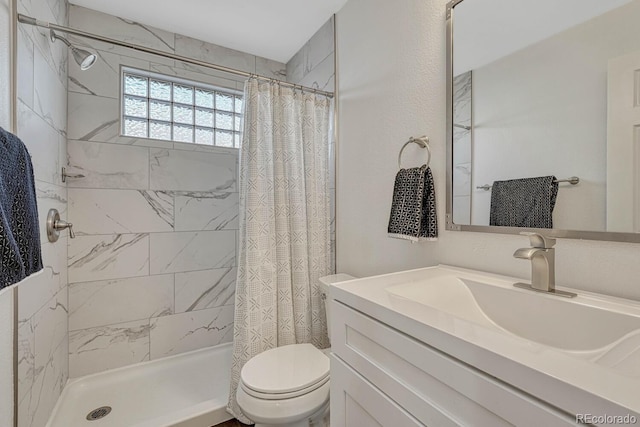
[573,325]
[581,353]
[596,328]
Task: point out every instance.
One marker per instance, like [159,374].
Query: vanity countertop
[440,307]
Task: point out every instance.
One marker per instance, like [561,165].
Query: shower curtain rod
[44,24]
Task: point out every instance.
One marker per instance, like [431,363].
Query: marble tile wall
[152,270]
[314,66]
[6,295]
[462,111]
[5,71]
[43,298]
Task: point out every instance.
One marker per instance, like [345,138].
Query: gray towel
[413,209]
[19,233]
[525,202]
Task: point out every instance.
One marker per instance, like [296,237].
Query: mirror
[540,89]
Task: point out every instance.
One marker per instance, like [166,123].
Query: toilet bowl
[288,386]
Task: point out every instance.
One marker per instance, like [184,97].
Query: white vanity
[444,346]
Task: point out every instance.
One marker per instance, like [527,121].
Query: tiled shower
[151,272]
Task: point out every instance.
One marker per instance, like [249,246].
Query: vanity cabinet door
[435,388]
[356,402]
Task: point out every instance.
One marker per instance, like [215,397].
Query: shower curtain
[284,242]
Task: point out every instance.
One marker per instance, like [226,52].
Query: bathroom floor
[232,423]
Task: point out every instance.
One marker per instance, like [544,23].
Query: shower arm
[55,37]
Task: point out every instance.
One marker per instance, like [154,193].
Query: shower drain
[99,413]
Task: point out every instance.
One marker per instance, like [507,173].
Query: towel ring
[422,142]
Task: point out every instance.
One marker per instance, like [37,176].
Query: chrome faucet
[542,257]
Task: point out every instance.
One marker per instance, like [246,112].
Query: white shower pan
[187,390]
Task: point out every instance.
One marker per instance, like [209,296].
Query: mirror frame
[450,225]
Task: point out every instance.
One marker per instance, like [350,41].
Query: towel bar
[572,180]
[422,142]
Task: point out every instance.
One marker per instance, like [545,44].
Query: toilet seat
[285,372]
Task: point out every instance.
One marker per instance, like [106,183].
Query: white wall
[552,118]
[391,80]
[387,64]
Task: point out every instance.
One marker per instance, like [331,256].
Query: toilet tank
[324,283]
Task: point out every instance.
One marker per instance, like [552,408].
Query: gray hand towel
[20,254]
[413,209]
[525,202]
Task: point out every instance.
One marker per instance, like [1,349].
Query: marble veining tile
[36,407]
[108,302]
[60,9]
[197,74]
[104,77]
[24,420]
[50,326]
[462,209]
[462,146]
[108,257]
[322,76]
[198,290]
[462,179]
[198,49]
[26,358]
[42,142]
[107,347]
[296,65]
[50,196]
[37,290]
[108,165]
[310,56]
[95,118]
[461,135]
[270,68]
[184,146]
[462,99]
[54,258]
[190,331]
[100,211]
[332,165]
[25,7]
[191,171]
[332,262]
[25,67]
[332,211]
[55,54]
[191,251]
[206,211]
[49,94]
[320,46]
[121,29]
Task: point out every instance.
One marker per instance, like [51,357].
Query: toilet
[288,386]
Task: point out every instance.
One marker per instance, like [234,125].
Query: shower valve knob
[61,225]
[55,225]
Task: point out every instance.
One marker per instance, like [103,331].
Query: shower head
[84,58]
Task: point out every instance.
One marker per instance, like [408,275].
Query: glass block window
[160,107]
